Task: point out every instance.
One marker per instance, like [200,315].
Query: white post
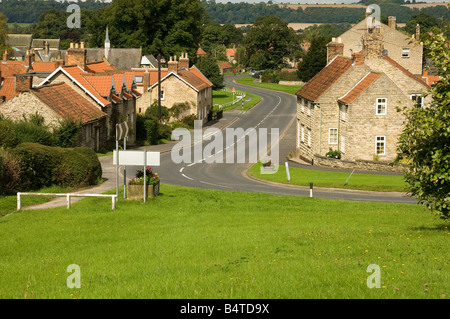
[145,175]
[19,202]
[117,165]
[287,171]
[125,171]
[113,202]
[68,201]
[311,190]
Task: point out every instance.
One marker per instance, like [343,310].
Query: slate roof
[323,80]
[62,99]
[360,87]
[19,41]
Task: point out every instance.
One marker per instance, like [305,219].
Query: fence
[68,196]
[240,95]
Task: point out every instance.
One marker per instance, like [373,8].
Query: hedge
[45,165]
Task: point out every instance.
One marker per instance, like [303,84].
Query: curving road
[276,110]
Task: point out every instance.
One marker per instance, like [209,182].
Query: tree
[271,39]
[208,66]
[314,60]
[3,33]
[425,21]
[425,140]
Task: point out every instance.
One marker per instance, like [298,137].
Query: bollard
[311,190]
[287,172]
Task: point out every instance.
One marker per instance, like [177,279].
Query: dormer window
[139,79]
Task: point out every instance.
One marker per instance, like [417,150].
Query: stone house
[351,104]
[111,90]
[231,54]
[55,103]
[179,84]
[225,67]
[400,47]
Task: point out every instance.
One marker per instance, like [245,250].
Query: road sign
[121,131]
[233,90]
[136,158]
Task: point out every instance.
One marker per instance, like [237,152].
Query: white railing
[67,195]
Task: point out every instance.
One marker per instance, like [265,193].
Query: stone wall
[358,164]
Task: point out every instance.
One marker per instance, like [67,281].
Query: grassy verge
[194,243]
[222,97]
[8,204]
[291,89]
[303,177]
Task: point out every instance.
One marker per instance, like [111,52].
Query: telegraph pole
[159,87]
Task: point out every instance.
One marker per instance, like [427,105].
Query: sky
[310,1]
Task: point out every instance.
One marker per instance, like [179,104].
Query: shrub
[152,111]
[10,181]
[334,153]
[164,131]
[28,132]
[67,133]
[8,137]
[45,166]
[270,76]
[289,76]
[189,120]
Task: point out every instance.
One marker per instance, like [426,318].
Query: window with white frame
[139,79]
[302,133]
[381,106]
[309,137]
[303,105]
[333,136]
[162,95]
[417,99]
[405,53]
[380,145]
[309,108]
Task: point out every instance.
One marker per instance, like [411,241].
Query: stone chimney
[172,65]
[358,58]
[392,22]
[23,83]
[76,56]
[184,61]
[29,58]
[59,61]
[373,43]
[146,80]
[417,31]
[334,48]
[5,56]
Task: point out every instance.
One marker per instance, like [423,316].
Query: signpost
[121,134]
[233,90]
[137,158]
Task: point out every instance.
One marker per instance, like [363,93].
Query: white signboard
[136,158]
[122,131]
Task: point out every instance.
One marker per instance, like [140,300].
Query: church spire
[107,44]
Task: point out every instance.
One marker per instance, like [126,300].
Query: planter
[136,192]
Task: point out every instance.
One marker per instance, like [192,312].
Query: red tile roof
[43,66]
[199,74]
[193,80]
[360,87]
[101,66]
[231,52]
[12,67]
[200,51]
[101,84]
[62,99]
[405,71]
[430,79]
[224,65]
[8,89]
[323,80]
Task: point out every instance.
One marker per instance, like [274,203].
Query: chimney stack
[5,56]
[146,80]
[76,56]
[358,58]
[184,61]
[373,43]
[172,65]
[29,58]
[23,83]
[392,22]
[334,48]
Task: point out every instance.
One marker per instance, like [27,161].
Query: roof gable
[359,88]
[323,80]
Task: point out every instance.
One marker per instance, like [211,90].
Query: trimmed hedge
[8,137]
[45,166]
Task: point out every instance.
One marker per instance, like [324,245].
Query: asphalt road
[275,111]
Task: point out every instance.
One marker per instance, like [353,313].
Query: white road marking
[187,177]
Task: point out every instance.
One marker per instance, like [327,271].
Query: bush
[8,137]
[152,112]
[334,153]
[289,76]
[270,76]
[67,133]
[28,132]
[45,166]
[10,181]
[151,128]
[164,131]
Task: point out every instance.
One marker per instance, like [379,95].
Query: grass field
[303,177]
[222,97]
[192,243]
[291,89]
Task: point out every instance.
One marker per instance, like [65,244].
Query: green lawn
[303,177]
[194,243]
[292,89]
[222,97]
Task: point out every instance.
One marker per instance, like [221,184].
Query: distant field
[304,6]
[11,25]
